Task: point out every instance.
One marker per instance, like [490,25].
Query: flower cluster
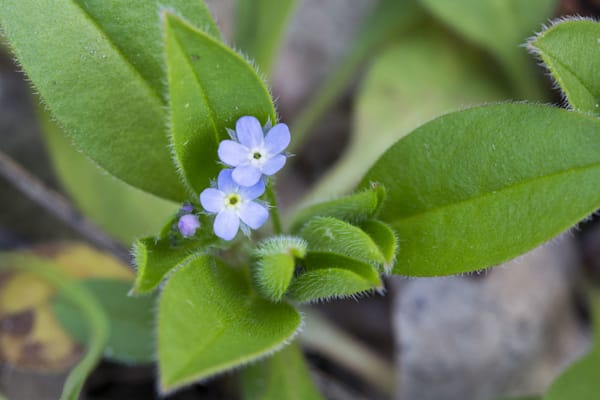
[252,154]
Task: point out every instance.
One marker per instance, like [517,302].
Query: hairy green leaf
[260,27]
[570,51]
[385,238]
[331,235]
[209,321]
[130,319]
[121,210]
[410,82]
[283,376]
[354,208]
[98,67]
[500,26]
[478,187]
[326,276]
[210,87]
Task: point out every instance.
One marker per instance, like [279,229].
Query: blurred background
[350,77]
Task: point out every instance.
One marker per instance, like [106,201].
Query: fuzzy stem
[58,206]
[274,208]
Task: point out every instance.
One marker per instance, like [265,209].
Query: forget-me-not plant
[253,154]
[234,203]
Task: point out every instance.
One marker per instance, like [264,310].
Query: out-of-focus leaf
[209,321]
[121,210]
[285,375]
[97,324]
[570,51]
[477,187]
[98,65]
[210,88]
[131,337]
[501,26]
[260,28]
[580,380]
[423,76]
[389,19]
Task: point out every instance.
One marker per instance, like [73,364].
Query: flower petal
[226,224]
[225,181]
[274,164]
[246,175]
[249,132]
[233,153]
[252,192]
[212,200]
[253,214]
[277,139]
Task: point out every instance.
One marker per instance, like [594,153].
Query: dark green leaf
[326,276]
[210,321]
[354,208]
[210,87]
[570,51]
[98,66]
[478,187]
[260,28]
[285,375]
[131,337]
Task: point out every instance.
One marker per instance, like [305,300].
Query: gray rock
[509,331]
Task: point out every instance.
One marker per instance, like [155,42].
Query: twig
[59,206]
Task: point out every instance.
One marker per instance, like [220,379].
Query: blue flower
[232,203]
[253,154]
[188,224]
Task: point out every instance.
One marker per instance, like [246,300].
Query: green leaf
[570,51]
[98,67]
[500,26]
[354,208]
[121,210]
[210,88]
[410,82]
[385,238]
[274,267]
[260,27]
[210,321]
[478,187]
[131,339]
[285,375]
[331,235]
[326,276]
[389,19]
[96,320]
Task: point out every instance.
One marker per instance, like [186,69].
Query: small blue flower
[232,203]
[188,224]
[254,154]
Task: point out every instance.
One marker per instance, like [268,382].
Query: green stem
[96,318]
[274,208]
